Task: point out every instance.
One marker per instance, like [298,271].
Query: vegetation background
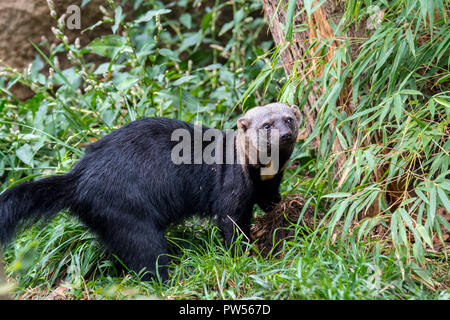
[380,105]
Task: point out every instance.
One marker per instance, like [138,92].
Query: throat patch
[269,171]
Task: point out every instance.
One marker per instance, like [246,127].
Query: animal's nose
[286,136]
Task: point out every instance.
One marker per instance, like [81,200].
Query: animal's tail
[30,201]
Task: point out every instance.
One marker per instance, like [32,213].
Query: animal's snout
[286,136]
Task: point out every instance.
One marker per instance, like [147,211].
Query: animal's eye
[266,126]
[289,120]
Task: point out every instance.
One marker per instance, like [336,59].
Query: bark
[318,27]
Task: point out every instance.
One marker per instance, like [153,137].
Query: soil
[23,21]
[275,227]
[272,229]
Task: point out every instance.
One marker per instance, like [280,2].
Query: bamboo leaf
[424,10]
[424,234]
[443,222]
[405,216]
[443,102]
[410,40]
[361,113]
[308,7]
[409,91]
[398,108]
[432,204]
[350,216]
[336,217]
[401,213]
[424,274]
[362,229]
[394,228]
[418,252]
[337,195]
[443,198]
[290,18]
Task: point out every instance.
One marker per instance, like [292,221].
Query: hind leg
[139,248]
[137,242]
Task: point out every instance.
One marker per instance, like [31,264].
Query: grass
[63,258]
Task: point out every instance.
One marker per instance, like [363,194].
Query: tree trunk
[318,27]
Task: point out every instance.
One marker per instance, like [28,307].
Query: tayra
[134,182]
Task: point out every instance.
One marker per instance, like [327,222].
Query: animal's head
[267,136]
[272,124]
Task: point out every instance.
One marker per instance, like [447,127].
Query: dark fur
[127,190]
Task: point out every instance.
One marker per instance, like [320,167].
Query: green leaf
[409,91]
[109,46]
[443,222]
[394,228]
[183,79]
[444,199]
[401,215]
[432,204]
[405,216]
[418,252]
[443,102]
[423,10]
[424,274]
[186,20]
[213,66]
[25,154]
[337,216]
[117,19]
[239,15]
[361,113]
[308,6]
[362,228]
[36,66]
[124,81]
[206,20]
[151,14]
[105,67]
[384,57]
[172,55]
[190,40]
[290,18]
[348,219]
[71,76]
[226,27]
[410,40]
[443,79]
[398,108]
[424,234]
[337,195]
[108,117]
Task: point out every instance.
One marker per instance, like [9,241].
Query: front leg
[234,224]
[268,194]
[269,202]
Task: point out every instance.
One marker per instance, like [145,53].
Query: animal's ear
[296,111]
[243,124]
